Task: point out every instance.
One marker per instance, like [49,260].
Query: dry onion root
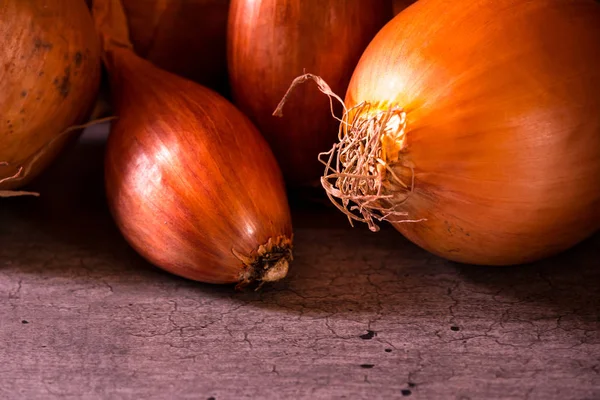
[14,193]
[360,173]
[481,124]
[355,171]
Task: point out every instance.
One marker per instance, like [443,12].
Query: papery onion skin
[49,80]
[503,125]
[186,37]
[270,42]
[190,181]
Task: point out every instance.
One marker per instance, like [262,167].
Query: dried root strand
[9,178]
[357,169]
[323,87]
[14,193]
[359,176]
[17,193]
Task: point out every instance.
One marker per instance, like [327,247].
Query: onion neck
[111,25]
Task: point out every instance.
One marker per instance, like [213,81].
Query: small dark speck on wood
[369,335]
[405,392]
[24,322]
[367,366]
[455,328]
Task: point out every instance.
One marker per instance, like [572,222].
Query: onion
[272,41]
[186,37]
[191,183]
[476,131]
[48,83]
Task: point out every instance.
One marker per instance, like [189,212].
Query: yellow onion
[474,128]
[191,183]
[270,42]
[186,37]
[49,79]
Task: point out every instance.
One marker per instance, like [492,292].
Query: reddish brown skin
[49,77]
[503,111]
[270,43]
[401,5]
[189,179]
[186,37]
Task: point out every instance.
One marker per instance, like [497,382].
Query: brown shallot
[191,183]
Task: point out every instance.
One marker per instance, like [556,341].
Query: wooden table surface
[362,315]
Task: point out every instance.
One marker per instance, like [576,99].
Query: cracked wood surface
[362,315]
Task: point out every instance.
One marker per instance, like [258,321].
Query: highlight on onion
[48,83]
[476,131]
[270,42]
[191,183]
[186,37]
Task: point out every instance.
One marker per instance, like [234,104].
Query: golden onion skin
[49,79]
[503,124]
